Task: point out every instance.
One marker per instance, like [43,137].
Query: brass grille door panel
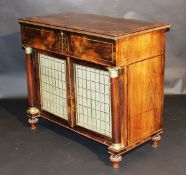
[53,85]
[92,88]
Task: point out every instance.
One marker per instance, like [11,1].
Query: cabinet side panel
[140,47]
[145,98]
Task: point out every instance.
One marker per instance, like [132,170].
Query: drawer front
[40,38]
[90,48]
[94,49]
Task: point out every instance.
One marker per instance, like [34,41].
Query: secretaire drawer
[90,48]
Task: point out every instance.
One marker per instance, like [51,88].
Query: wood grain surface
[104,25]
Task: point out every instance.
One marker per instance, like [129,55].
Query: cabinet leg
[116,160]
[155,141]
[33,113]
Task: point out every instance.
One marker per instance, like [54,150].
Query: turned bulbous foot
[33,113]
[116,160]
[33,122]
[156,141]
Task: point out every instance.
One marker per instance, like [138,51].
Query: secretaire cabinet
[99,76]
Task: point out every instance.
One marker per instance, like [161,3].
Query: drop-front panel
[98,76]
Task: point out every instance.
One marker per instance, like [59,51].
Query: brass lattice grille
[93,99]
[53,85]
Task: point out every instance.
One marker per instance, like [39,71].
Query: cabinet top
[94,24]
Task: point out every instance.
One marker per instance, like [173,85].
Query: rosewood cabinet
[99,76]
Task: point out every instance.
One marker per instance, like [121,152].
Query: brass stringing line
[30,28]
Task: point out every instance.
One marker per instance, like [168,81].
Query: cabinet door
[53,85]
[92,93]
[93,104]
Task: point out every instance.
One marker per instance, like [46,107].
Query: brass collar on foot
[33,111]
[116,146]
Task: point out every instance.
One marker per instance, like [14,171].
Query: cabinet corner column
[116,146]
[32,111]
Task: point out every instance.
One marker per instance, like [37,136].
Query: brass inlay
[62,42]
